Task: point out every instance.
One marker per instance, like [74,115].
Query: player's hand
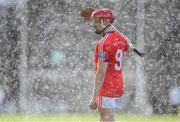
[142,55]
[93,104]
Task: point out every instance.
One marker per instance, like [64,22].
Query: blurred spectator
[174,99]
[2,98]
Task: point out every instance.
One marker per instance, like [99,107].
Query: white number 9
[119,57]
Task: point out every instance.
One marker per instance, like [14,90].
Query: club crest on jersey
[108,48]
[102,55]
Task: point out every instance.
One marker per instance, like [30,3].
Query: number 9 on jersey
[119,57]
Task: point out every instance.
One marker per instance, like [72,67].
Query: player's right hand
[93,104]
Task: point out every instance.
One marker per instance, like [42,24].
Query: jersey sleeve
[103,52]
[127,41]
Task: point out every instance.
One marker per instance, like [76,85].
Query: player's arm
[130,45]
[99,78]
[131,48]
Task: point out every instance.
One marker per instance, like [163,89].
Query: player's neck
[107,30]
[102,31]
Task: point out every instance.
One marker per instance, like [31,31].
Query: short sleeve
[103,52]
[128,43]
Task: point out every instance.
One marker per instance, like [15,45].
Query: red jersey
[110,49]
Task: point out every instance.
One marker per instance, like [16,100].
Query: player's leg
[106,106]
[106,114]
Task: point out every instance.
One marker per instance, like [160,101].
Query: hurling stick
[139,53]
[86,15]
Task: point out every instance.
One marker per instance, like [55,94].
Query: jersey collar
[109,29]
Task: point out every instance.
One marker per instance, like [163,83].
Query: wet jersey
[110,49]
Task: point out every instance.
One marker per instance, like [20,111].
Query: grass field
[86,118]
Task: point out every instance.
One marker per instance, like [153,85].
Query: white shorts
[110,102]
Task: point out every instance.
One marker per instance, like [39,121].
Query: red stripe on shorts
[100,102]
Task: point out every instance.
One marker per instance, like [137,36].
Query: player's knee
[108,118]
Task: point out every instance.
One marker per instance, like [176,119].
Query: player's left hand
[93,104]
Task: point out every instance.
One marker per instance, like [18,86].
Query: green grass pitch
[86,118]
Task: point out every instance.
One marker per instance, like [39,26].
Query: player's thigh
[107,114]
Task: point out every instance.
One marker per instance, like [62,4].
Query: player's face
[96,23]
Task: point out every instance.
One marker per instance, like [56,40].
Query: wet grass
[86,118]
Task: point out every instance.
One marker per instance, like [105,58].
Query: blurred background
[46,55]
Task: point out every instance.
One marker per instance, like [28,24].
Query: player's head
[101,18]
